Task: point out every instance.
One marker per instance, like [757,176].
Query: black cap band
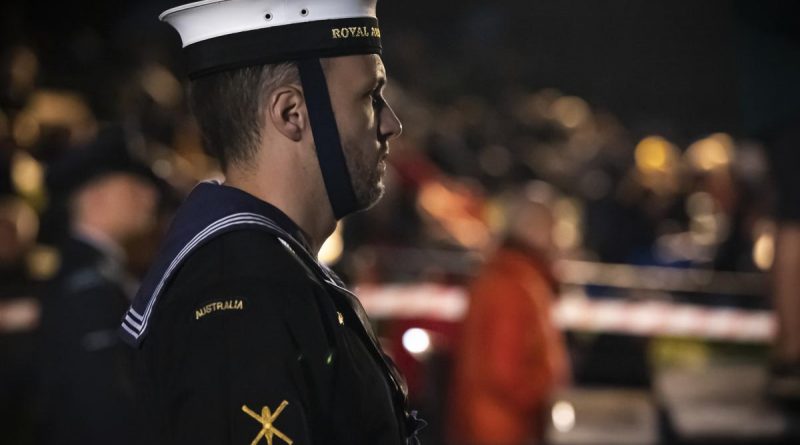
[324,38]
[330,155]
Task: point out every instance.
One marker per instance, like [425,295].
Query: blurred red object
[511,355]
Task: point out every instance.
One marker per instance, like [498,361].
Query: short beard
[367,180]
[368,187]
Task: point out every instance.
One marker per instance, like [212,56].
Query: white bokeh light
[416,341]
[563,416]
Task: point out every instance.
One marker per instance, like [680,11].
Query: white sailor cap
[220,35]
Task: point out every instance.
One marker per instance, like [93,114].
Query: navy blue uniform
[87,385]
[249,338]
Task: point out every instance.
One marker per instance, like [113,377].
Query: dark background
[680,67]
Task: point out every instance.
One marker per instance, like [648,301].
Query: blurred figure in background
[87,394]
[769,54]
[511,356]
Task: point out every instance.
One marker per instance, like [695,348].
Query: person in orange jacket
[511,355]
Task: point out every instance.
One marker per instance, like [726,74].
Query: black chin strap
[331,158]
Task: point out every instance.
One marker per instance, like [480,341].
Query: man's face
[129,202]
[364,119]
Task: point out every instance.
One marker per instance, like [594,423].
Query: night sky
[675,67]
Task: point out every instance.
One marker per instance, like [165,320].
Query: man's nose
[390,125]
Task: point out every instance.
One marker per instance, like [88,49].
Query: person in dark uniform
[86,378]
[242,336]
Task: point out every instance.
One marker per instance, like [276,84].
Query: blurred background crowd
[590,232]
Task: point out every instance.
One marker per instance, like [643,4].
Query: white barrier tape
[446,303]
[571,312]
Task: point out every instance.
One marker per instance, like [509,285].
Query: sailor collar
[210,210]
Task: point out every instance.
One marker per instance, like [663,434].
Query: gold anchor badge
[267,421]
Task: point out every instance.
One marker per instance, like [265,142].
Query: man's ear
[287,111]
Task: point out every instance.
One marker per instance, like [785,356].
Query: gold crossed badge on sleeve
[267,421]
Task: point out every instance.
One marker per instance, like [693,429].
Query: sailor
[86,379]
[242,336]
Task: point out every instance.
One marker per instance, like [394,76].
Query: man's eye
[377,100]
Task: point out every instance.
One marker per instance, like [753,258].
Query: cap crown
[208,19]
